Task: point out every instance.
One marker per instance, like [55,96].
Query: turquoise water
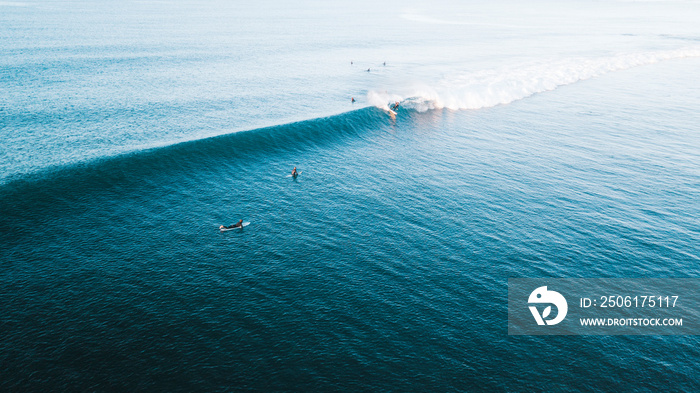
[384,266]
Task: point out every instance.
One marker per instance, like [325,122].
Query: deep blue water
[384,266]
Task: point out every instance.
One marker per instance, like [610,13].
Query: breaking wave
[488,88]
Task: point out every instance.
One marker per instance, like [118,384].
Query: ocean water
[548,139]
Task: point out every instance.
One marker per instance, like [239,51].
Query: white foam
[506,84]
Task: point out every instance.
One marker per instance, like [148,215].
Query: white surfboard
[290,175]
[245,224]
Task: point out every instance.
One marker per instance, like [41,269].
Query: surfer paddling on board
[237,225]
[294,172]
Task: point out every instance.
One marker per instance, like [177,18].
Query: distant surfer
[352,99]
[395,106]
[385,63]
[294,172]
[239,224]
[368,70]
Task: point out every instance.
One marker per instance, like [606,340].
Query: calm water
[553,140]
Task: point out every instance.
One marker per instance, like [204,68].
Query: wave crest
[504,85]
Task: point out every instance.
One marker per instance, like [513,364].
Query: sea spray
[503,85]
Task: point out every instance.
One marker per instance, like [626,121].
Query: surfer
[239,224]
[352,99]
[395,106]
[368,70]
[294,172]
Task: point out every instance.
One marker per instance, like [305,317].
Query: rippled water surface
[384,265]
